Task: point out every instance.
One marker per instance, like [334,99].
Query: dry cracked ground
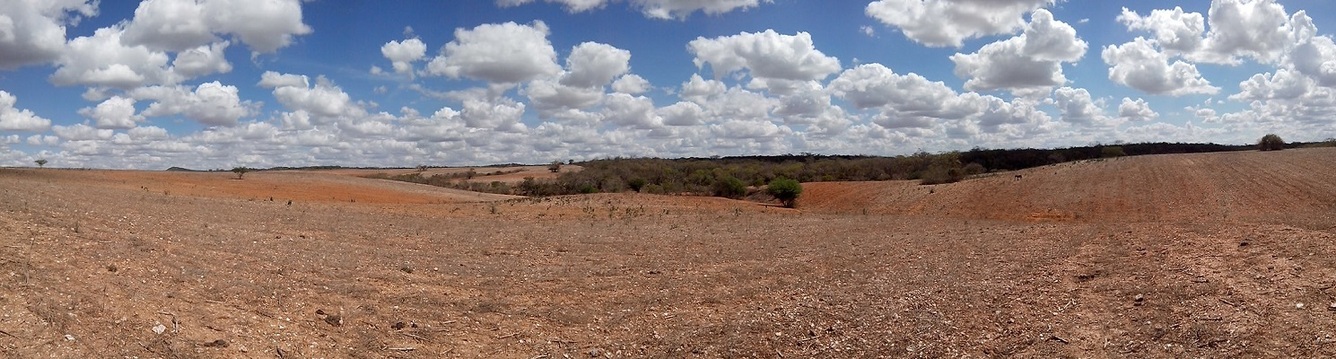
[1204,255]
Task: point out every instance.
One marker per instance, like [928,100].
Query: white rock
[159,329]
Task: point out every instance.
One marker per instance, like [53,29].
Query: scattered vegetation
[738,177]
[786,190]
[1271,142]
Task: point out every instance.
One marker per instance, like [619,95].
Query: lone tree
[555,166]
[240,171]
[1271,142]
[41,162]
[786,190]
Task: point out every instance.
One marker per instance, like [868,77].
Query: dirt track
[1048,265]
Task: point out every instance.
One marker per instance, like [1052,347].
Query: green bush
[636,184]
[786,190]
[1271,142]
[1111,152]
[730,187]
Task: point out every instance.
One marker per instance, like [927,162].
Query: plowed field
[1208,255]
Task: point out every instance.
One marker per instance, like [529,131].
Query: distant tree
[786,190]
[41,162]
[1271,142]
[554,167]
[240,171]
[422,168]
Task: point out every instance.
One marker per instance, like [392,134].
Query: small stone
[1139,298]
[596,352]
[1298,306]
[334,320]
[159,329]
[216,344]
[398,325]
[1331,307]
[69,337]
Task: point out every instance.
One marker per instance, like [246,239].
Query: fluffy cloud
[594,65]
[766,55]
[203,60]
[324,99]
[175,25]
[104,60]
[272,79]
[1178,32]
[1256,29]
[81,132]
[941,23]
[33,32]
[498,53]
[550,97]
[1283,85]
[15,119]
[210,103]
[116,113]
[501,114]
[876,86]
[1316,58]
[1139,65]
[402,54]
[631,84]
[1136,110]
[657,9]
[1030,61]
[1078,107]
[630,111]
[682,114]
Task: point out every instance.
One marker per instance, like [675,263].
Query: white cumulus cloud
[1029,62]
[116,112]
[175,25]
[942,23]
[657,9]
[402,54]
[16,119]
[505,53]
[1136,110]
[765,55]
[210,103]
[33,32]
[593,64]
[631,84]
[1139,65]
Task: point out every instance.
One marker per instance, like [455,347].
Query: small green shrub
[786,190]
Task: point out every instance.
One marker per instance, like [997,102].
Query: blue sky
[222,83]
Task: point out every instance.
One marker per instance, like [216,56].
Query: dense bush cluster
[1271,142]
[732,177]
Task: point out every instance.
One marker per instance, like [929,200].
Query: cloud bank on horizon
[222,83]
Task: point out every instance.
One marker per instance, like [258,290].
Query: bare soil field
[1205,255]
